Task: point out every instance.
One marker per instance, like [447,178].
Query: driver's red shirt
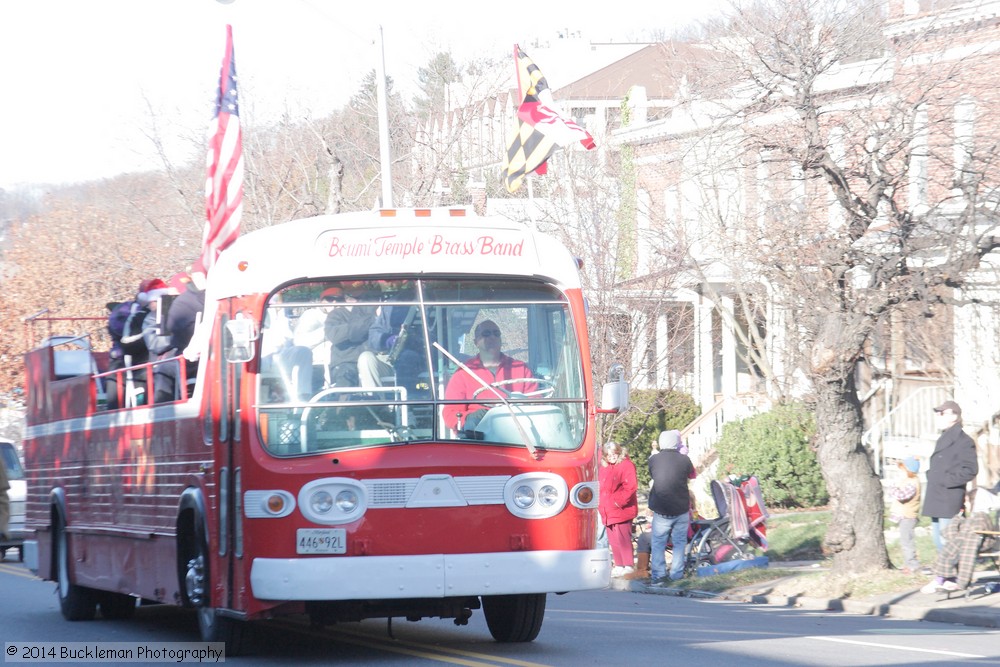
[462,385]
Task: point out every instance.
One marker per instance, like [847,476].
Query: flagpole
[383,123]
[531,202]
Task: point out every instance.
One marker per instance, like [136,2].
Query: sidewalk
[977,609]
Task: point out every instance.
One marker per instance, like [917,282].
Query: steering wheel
[542,392]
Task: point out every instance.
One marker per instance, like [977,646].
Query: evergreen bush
[775,446]
[650,412]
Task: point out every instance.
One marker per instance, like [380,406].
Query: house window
[965,112]
[918,160]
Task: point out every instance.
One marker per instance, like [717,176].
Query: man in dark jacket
[347,328]
[180,323]
[952,466]
[670,501]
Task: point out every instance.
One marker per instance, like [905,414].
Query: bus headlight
[347,501]
[321,501]
[524,496]
[548,496]
[535,495]
[333,501]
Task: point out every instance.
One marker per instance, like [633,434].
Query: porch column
[706,360]
[730,386]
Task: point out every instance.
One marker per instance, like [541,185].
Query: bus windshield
[361,363]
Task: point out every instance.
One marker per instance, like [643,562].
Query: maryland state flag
[541,127]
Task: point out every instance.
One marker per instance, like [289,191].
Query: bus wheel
[211,625]
[514,618]
[116,606]
[77,603]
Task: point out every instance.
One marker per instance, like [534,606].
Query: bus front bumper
[428,576]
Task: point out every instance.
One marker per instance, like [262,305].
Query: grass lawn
[798,536]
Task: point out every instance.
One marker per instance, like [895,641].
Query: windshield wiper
[520,429]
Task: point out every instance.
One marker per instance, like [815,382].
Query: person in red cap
[346,327]
[179,328]
[951,467]
[142,339]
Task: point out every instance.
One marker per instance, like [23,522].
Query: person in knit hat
[906,510]
[142,339]
[670,500]
[152,289]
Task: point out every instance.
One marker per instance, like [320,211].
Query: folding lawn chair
[724,538]
[753,501]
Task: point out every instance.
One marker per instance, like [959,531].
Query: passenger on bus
[347,328]
[281,357]
[135,341]
[491,366]
[118,314]
[180,323]
[310,333]
[395,343]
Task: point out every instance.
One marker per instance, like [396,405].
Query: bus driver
[490,365]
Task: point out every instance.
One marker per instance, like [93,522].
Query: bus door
[230,575]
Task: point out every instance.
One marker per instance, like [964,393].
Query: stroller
[738,532]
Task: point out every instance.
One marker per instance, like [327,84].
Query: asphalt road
[607,628]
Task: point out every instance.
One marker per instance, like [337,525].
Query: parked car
[18,490]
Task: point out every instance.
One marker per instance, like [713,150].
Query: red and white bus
[269,489]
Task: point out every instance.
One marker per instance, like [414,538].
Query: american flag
[224,185]
[541,126]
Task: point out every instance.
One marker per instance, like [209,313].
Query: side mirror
[614,397]
[241,334]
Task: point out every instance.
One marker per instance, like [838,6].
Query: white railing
[908,429]
[703,433]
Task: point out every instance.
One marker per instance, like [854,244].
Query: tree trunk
[335,195]
[855,536]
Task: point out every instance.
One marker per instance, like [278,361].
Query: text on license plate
[321,541]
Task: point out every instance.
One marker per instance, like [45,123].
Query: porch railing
[907,429]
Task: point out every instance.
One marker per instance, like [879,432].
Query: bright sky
[85,83]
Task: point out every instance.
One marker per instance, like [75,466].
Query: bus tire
[77,603]
[117,606]
[514,618]
[212,626]
[217,628]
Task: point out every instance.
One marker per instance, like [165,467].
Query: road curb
[959,616]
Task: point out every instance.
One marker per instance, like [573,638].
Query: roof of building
[660,68]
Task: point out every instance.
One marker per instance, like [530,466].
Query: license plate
[321,541]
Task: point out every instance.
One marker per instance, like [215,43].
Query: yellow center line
[18,571]
[456,651]
[406,647]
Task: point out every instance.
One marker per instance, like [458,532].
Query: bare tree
[629,276]
[862,176]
